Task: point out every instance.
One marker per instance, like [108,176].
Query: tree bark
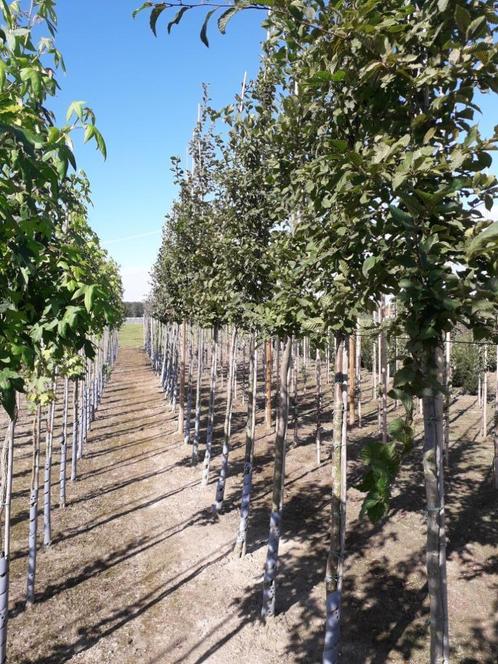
[211,410]
[63,462]
[268,383]
[318,405]
[33,510]
[181,395]
[352,381]
[269,581]
[495,435]
[74,448]
[240,545]
[5,556]
[434,487]
[197,421]
[47,476]
[337,527]
[220,487]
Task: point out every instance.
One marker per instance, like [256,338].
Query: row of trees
[61,293]
[351,170]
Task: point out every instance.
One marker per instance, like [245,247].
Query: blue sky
[145,93]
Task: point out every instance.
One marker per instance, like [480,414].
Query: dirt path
[129,577]
[139,573]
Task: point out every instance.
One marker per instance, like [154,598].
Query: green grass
[131,335]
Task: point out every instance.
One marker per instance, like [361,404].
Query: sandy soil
[138,571]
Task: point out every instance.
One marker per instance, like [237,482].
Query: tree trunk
[63,463]
[188,412]
[47,476]
[434,487]
[74,448]
[181,395]
[318,431]
[240,546]
[447,396]
[358,374]
[269,581]
[352,381]
[5,556]
[33,510]
[197,421]
[484,424]
[495,435]
[211,411]
[220,487]
[268,381]
[337,527]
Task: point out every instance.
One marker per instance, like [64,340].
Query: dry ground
[138,572]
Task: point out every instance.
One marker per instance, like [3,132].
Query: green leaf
[178,17]
[76,108]
[203,35]
[154,16]
[368,264]
[462,18]
[226,17]
[477,28]
[89,297]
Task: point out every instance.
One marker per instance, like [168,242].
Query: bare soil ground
[139,572]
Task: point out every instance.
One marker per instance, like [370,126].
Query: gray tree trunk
[434,487]
[245,505]
[47,476]
[5,556]
[74,447]
[211,409]
[63,463]
[318,396]
[337,528]
[220,486]
[271,565]
[33,510]
[197,420]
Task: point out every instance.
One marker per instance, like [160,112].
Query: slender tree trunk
[352,381]
[337,528]
[295,394]
[318,431]
[383,375]
[7,473]
[374,365]
[220,486]
[74,448]
[181,396]
[434,487]
[269,581]
[358,374]
[240,546]
[484,424]
[47,476]
[197,421]
[495,435]
[188,415]
[211,411]
[447,396]
[33,510]
[63,463]
[268,381]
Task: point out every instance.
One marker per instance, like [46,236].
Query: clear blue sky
[145,92]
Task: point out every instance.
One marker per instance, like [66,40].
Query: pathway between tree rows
[138,573]
[133,574]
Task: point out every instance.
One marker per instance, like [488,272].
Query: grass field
[131,335]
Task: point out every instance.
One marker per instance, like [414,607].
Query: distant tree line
[133,309]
